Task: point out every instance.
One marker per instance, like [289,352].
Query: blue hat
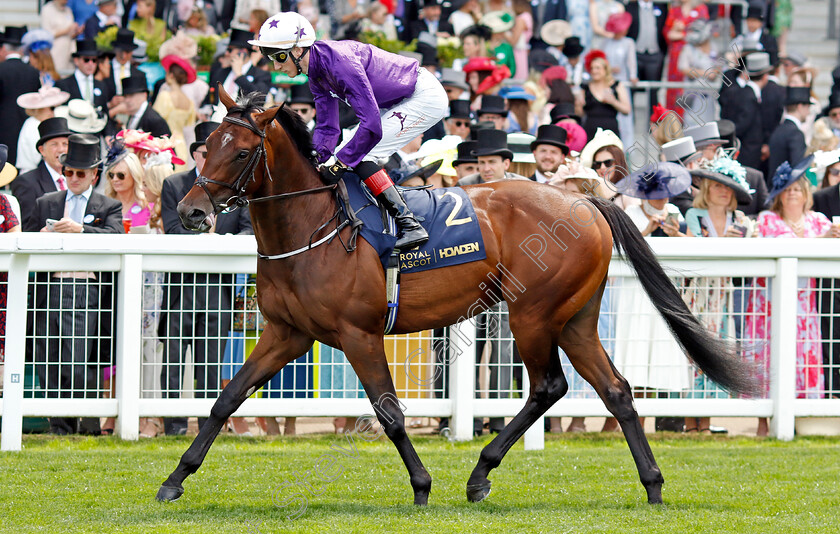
[656,181]
[515,93]
[787,175]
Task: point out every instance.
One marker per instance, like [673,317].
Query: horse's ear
[264,118]
[225,98]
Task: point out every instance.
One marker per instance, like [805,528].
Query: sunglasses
[459,124]
[89,59]
[116,175]
[202,153]
[607,162]
[834,172]
[69,173]
[275,54]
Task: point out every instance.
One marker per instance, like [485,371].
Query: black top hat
[136,83]
[564,110]
[124,40]
[86,48]
[465,153]
[83,152]
[797,95]
[13,35]
[431,3]
[833,102]
[459,109]
[479,30]
[493,143]
[549,134]
[429,53]
[755,12]
[52,128]
[301,94]
[239,38]
[202,132]
[492,104]
[572,47]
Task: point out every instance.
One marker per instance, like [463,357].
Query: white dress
[646,353]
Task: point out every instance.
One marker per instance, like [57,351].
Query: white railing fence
[782,262]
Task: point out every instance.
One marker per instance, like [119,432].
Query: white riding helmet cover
[285,31]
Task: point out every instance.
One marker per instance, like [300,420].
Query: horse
[322,292]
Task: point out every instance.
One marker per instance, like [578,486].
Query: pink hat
[171,59]
[619,22]
[575,135]
[45,97]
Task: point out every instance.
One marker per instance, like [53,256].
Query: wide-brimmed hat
[172,59]
[52,128]
[549,134]
[698,32]
[202,132]
[86,48]
[301,94]
[13,35]
[655,181]
[497,21]
[564,110]
[45,97]
[460,109]
[492,104]
[37,39]
[515,92]
[124,40]
[520,144]
[786,175]
[82,117]
[556,32]
[797,95]
[493,143]
[136,83]
[465,153]
[619,22]
[572,48]
[8,172]
[575,136]
[556,72]
[454,78]
[602,138]
[239,38]
[727,171]
[83,152]
[704,135]
[758,63]
[680,150]
[480,64]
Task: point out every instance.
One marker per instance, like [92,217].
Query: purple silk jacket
[367,79]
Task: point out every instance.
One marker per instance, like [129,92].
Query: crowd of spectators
[107,105]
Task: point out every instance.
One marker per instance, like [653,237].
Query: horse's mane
[289,120]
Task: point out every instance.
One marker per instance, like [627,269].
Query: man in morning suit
[121,65]
[429,21]
[105,17]
[788,140]
[237,73]
[135,104]
[194,305]
[744,109]
[67,309]
[550,151]
[16,78]
[82,84]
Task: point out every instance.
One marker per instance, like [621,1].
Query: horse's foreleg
[548,385]
[367,355]
[273,351]
[589,358]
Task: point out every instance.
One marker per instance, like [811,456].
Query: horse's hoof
[478,492]
[169,493]
[421,499]
[655,496]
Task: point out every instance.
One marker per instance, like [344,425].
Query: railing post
[462,379]
[534,436]
[783,348]
[129,345]
[15,352]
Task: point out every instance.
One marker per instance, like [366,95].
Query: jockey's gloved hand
[331,173]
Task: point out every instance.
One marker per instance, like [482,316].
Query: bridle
[246,176]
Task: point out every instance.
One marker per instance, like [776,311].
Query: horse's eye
[242,154]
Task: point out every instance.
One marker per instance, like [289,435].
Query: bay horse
[325,293]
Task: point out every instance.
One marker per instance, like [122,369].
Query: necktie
[61,185]
[77,208]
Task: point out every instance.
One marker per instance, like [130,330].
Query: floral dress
[8,220]
[675,47]
[809,372]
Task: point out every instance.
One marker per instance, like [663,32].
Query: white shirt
[86,86]
[230,82]
[756,89]
[135,119]
[541,178]
[55,176]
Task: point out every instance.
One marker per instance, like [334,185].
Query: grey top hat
[705,135]
[798,58]
[680,150]
[455,78]
[758,63]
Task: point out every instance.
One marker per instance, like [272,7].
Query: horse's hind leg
[366,353]
[277,347]
[548,385]
[580,341]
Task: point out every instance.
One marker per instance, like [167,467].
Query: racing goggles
[275,54]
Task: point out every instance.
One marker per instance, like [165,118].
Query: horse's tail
[717,358]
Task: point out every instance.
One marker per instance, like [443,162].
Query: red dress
[675,47]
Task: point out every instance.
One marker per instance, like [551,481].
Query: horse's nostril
[196,215]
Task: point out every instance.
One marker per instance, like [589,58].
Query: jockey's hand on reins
[331,174]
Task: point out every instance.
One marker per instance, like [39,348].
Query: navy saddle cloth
[447,215]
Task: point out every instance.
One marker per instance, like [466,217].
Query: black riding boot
[412,234]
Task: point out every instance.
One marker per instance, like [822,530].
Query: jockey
[394,98]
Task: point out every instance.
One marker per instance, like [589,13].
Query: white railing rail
[781,260]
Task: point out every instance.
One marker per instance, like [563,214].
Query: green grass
[578,483]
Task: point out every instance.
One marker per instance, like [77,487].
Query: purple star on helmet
[273,23]
[301,32]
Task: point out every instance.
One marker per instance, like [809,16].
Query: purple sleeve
[326,133]
[354,83]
